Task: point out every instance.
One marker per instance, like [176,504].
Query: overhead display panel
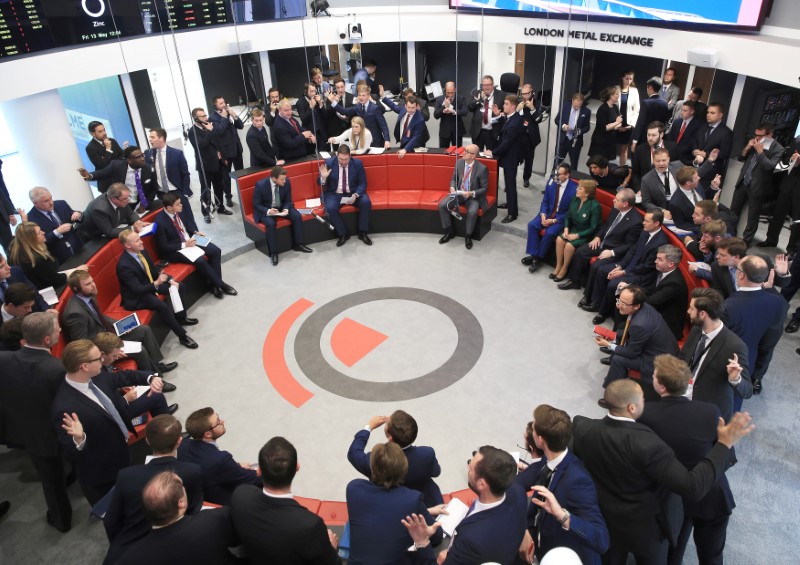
[23,28]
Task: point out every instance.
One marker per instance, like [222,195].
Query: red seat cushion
[430,199]
[404,199]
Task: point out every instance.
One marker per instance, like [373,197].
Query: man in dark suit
[410,130]
[468,188]
[715,136]
[272,199]
[700,108]
[178,537]
[621,230]
[723,271]
[644,336]
[56,219]
[310,107]
[636,267]
[685,198]
[338,123]
[87,412]
[10,275]
[529,110]
[207,143]
[109,214]
[632,467]
[788,202]
[495,530]
[558,195]
[292,140]
[169,164]
[690,429]
[102,150]
[717,357]
[173,235]
[83,319]
[261,152]
[342,177]
[140,283]
[133,172]
[756,314]
[125,521]
[271,524]
[683,132]
[29,380]
[401,428]
[221,474]
[230,146]
[654,109]
[507,153]
[574,122]
[369,111]
[271,111]
[643,159]
[485,129]
[669,294]
[760,156]
[450,109]
[564,512]
[7,213]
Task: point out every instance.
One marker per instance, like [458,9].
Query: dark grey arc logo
[308,348]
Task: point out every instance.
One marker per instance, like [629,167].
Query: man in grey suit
[660,183]
[760,156]
[669,92]
[468,188]
[109,214]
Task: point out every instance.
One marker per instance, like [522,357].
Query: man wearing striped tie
[467,188]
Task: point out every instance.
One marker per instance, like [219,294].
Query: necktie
[345,188]
[177,224]
[140,190]
[732,271]
[708,131]
[405,125]
[110,408]
[361,110]
[610,228]
[555,203]
[276,198]
[666,183]
[624,339]
[53,218]
[294,125]
[162,171]
[465,182]
[486,111]
[699,351]
[108,326]
[652,151]
[694,197]
[660,279]
[145,266]
[543,480]
[3,288]
[573,118]
[683,129]
[751,164]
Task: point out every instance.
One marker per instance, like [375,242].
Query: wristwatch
[564,518]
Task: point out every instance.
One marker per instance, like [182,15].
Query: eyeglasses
[93,360]
[527,93]
[220,421]
[470,152]
[623,303]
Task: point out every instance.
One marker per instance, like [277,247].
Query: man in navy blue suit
[10,275]
[684,132]
[227,122]
[169,164]
[221,473]
[507,152]
[205,140]
[344,181]
[401,428]
[370,112]
[292,140]
[565,513]
[409,131]
[173,234]
[494,529]
[574,123]
[272,199]
[756,314]
[558,194]
[689,427]
[654,109]
[55,218]
[262,153]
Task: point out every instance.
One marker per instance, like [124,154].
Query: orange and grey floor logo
[350,342]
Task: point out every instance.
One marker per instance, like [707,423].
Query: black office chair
[509,82]
[323,63]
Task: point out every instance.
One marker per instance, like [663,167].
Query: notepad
[376,150]
[129,347]
[49,295]
[313,202]
[147,230]
[192,253]
[456,511]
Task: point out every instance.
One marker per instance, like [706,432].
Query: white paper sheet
[129,347]
[324,154]
[456,511]
[174,295]
[49,295]
[192,253]
[376,150]
[146,230]
[313,202]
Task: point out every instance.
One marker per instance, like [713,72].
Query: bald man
[450,110]
[468,188]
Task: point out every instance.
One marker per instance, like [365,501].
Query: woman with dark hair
[607,123]
[580,224]
[29,251]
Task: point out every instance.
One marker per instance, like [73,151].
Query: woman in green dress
[580,224]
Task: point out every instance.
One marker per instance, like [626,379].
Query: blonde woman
[357,138]
[629,107]
[29,251]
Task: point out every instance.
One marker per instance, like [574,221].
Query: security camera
[343,32]
[354,31]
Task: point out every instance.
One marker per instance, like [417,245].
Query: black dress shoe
[568,285]
[606,360]
[551,276]
[274,257]
[166,367]
[606,350]
[767,244]
[792,326]
[602,403]
[757,387]
[446,237]
[508,219]
[502,206]
[302,249]
[590,307]
[583,302]
[364,236]
[207,218]
[186,341]
[527,260]
[224,211]
[599,319]
[229,202]
[558,279]
[228,289]
[188,322]
[526,184]
[468,242]
[50,520]
[167,387]
[216,291]
[342,240]
[4,507]
[534,266]
[172,408]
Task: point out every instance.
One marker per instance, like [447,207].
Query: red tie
[683,129]
[486,112]
[178,227]
[294,125]
[555,205]
[405,126]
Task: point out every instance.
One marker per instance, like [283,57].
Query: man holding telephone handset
[227,122]
[205,140]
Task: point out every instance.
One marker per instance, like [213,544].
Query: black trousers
[574,153]
[528,153]
[485,139]
[510,179]
[752,195]
[212,182]
[150,355]
[5,236]
[709,539]
[233,163]
[452,139]
[654,553]
[209,266]
[164,308]
[54,486]
[271,222]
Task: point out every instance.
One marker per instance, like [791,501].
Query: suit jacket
[574,489]
[18,276]
[373,119]
[757,317]
[582,124]
[79,322]
[356,177]
[633,470]
[29,381]
[376,535]
[670,96]
[687,141]
[101,219]
[478,180]
[279,530]
[124,520]
[711,382]
[490,536]
[670,298]
[508,149]
[201,538]
[681,207]
[177,169]
[313,120]
[101,158]
[721,279]
[221,474]
[477,106]
[289,141]
[337,125]
[530,120]
[133,280]
[229,143]
[422,467]
[690,429]
[549,200]
[262,198]
[450,124]
[261,152]
[648,336]
[168,241]
[624,235]
[721,138]
[764,168]
[412,136]
[117,171]
[62,248]
[640,260]
[642,162]
[654,109]
[207,147]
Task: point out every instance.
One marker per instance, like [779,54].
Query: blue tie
[110,408]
